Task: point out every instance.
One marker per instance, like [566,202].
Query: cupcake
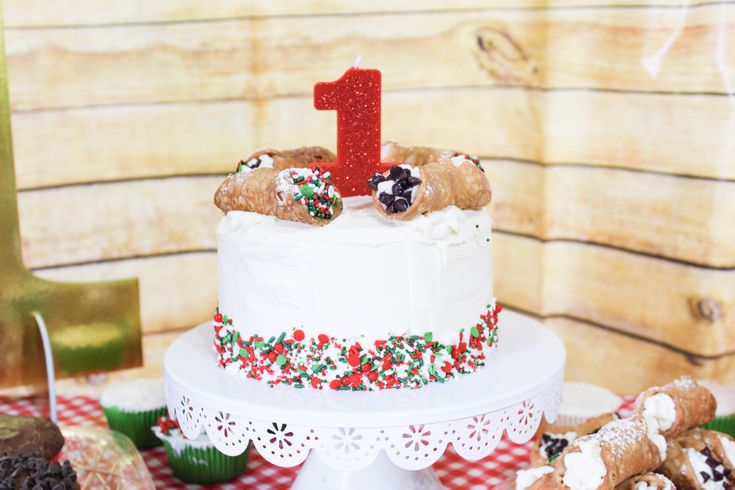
[724,420]
[133,407]
[582,401]
[197,460]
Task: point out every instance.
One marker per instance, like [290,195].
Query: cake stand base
[360,440]
[380,474]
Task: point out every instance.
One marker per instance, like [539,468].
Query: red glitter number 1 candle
[356,98]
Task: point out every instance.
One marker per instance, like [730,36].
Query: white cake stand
[366,440]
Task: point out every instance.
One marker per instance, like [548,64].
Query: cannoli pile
[289,184]
[658,447]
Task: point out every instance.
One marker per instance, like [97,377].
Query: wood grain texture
[627,365]
[80,224]
[667,216]
[176,291]
[643,132]
[86,12]
[640,50]
[685,307]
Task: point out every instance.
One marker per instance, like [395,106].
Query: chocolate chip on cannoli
[698,459]
[406,191]
[280,160]
[677,406]
[647,481]
[555,438]
[295,194]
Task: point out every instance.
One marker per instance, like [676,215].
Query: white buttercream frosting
[135,396]
[526,478]
[585,469]
[361,275]
[179,442]
[659,412]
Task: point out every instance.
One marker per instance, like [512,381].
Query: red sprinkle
[335,384]
[218,317]
[323,339]
[299,335]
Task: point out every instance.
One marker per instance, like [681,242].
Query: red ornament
[299,335]
[356,98]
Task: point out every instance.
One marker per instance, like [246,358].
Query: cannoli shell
[695,404]
[589,426]
[417,156]
[296,158]
[444,184]
[652,479]
[266,191]
[679,468]
[625,450]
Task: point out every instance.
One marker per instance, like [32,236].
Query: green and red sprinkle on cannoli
[323,362]
[315,190]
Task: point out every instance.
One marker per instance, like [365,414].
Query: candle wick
[357,60]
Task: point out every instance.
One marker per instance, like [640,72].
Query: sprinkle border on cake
[404,361]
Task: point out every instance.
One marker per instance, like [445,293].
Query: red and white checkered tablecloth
[453,471]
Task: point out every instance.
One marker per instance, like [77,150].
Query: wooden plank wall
[606,127]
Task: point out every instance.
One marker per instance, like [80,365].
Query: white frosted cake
[362,301]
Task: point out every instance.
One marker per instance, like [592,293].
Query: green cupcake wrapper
[135,425]
[205,465]
[725,424]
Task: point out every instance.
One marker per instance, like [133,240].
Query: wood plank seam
[696,4]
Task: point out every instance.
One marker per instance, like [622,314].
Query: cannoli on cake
[407,191]
[280,160]
[699,459]
[648,481]
[555,438]
[295,194]
[415,156]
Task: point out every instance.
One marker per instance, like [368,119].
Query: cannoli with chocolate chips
[407,191]
[698,459]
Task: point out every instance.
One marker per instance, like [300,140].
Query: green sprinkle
[298,385]
[281,360]
[428,337]
[270,341]
[244,353]
[281,337]
[307,190]
[554,457]
[259,344]
[475,332]
[317,368]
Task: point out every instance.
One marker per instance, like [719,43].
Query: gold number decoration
[93,327]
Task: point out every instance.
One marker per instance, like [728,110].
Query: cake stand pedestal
[365,440]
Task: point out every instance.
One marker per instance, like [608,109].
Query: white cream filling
[661,407]
[526,478]
[458,160]
[135,396]
[659,412]
[641,485]
[585,469]
[729,447]
[699,463]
